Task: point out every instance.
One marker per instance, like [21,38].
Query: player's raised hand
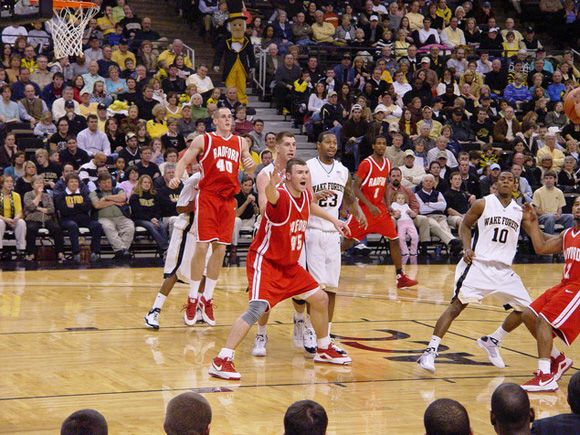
[275,178]
[323,194]
[529,212]
[342,228]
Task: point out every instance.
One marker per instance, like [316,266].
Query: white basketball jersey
[327,177]
[498,230]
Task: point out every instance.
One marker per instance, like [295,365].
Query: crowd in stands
[191,413]
[456,95]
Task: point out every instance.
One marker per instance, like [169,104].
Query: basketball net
[68,26]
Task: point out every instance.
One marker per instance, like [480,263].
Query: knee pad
[254,312]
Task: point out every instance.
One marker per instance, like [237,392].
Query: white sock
[298,316]
[262,329]
[307,322]
[194,289]
[544,365]
[226,353]
[323,343]
[434,343]
[329,327]
[159,301]
[499,334]
[555,352]
[209,288]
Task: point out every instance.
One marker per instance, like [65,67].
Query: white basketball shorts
[321,256]
[479,280]
[179,254]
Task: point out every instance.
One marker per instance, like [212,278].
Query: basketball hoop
[68,25]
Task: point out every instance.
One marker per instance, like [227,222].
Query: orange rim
[62,4]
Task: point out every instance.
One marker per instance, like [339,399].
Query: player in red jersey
[557,310]
[370,186]
[273,271]
[219,155]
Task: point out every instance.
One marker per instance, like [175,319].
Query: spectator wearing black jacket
[73,154]
[146,103]
[421,90]
[146,210]
[76,123]
[285,76]
[492,42]
[458,201]
[332,114]
[173,83]
[74,207]
[146,166]
[131,152]
[60,185]
[462,133]
[496,79]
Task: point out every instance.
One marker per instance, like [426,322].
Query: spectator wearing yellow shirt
[453,35]
[157,126]
[122,54]
[550,150]
[510,26]
[322,31]
[118,12]
[167,57]
[107,22]
[415,17]
[444,12]
[28,61]
[548,201]
[510,45]
[11,216]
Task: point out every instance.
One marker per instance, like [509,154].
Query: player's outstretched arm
[189,157]
[316,210]
[544,244]
[470,218]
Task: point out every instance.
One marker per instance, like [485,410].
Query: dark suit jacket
[563,424]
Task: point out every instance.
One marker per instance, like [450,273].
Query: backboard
[24,11]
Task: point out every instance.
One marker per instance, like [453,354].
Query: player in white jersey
[332,183]
[180,252]
[486,269]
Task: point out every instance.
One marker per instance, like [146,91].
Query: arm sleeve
[279,213]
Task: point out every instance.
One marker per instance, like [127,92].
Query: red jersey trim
[259,259]
[281,223]
[207,147]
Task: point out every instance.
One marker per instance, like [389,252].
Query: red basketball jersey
[219,164]
[280,238]
[374,180]
[571,249]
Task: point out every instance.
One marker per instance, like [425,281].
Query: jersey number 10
[503,235]
[224,165]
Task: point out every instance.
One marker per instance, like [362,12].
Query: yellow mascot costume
[237,51]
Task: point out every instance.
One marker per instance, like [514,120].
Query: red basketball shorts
[273,283]
[214,218]
[382,224]
[560,306]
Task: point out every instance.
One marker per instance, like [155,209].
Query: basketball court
[73,339]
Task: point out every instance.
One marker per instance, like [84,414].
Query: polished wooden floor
[75,339]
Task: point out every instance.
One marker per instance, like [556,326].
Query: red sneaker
[224,369]
[541,382]
[190,315]
[559,366]
[206,309]
[404,281]
[331,355]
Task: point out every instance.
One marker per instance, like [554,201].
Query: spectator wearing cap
[333,114]
[415,17]
[441,149]
[491,41]
[530,42]
[76,122]
[452,36]
[131,152]
[549,201]
[373,30]
[487,181]
[92,140]
[352,134]
[550,150]
[431,77]
[378,127]
[322,31]
[506,128]
[412,172]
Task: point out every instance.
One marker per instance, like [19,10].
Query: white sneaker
[259,348]
[339,349]
[491,346]
[309,342]
[152,318]
[298,337]
[427,359]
